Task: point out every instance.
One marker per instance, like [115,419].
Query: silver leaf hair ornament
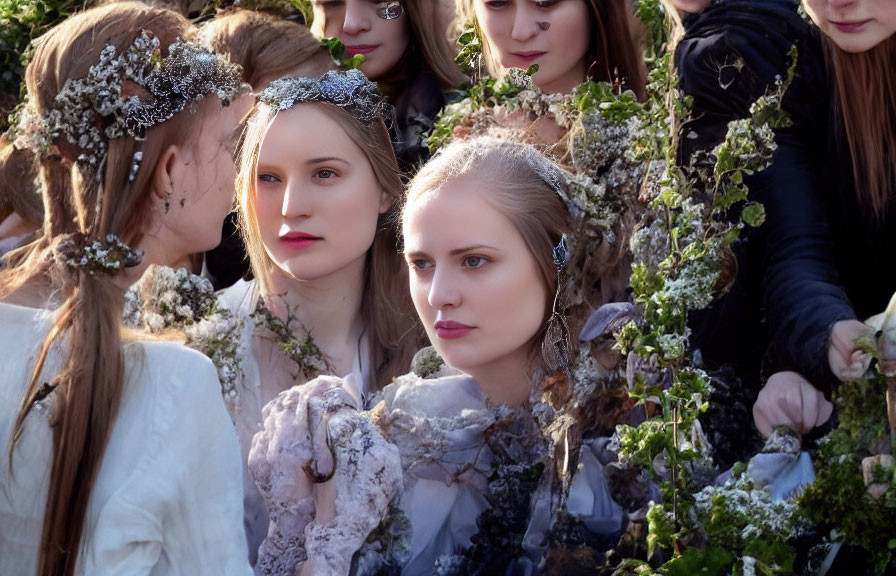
[93,110]
[350,90]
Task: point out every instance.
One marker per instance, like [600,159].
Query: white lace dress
[167,500]
[241,300]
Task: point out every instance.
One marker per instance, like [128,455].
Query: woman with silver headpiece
[318,190]
[496,475]
[120,457]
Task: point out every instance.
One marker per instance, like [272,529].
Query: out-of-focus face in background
[380,31]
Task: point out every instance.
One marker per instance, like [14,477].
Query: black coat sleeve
[730,56]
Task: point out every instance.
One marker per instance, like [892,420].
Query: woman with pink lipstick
[317,192]
[486,238]
[406,52]
[570,40]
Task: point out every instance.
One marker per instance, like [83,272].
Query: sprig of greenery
[838,499]
[679,255]
[339,55]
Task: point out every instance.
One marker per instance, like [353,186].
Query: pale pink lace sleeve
[315,430]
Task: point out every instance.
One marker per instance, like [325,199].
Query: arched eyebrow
[455,252]
[459,251]
[324,159]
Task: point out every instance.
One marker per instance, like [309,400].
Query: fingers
[790,400]
[327,399]
[845,357]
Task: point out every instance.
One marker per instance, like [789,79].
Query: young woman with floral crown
[406,52]
[487,445]
[329,294]
[120,457]
[266,47]
[586,56]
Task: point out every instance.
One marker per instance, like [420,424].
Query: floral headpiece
[101,106]
[350,90]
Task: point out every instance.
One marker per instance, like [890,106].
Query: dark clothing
[416,107]
[806,267]
[228,262]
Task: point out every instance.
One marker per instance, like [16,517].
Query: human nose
[295,203]
[841,4]
[524,24]
[357,17]
[444,291]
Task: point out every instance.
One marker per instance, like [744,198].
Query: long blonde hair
[88,388]
[392,329]
[865,110]
[613,53]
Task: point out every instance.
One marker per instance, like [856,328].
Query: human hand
[289,460]
[788,399]
[847,360]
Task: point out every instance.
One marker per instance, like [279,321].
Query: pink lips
[361,48]
[850,27]
[298,239]
[448,330]
[527,58]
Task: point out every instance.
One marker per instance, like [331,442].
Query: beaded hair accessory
[350,90]
[127,93]
[106,255]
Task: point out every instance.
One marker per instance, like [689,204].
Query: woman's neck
[504,382]
[329,308]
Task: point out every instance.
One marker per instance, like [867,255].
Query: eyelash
[482,261]
[268,178]
[543,4]
[332,174]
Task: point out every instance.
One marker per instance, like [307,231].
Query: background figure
[317,214]
[267,48]
[752,40]
[846,227]
[120,457]
[571,41]
[21,208]
[406,52]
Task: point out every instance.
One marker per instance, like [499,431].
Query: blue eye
[420,264]
[268,178]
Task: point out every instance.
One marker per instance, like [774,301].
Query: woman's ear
[386,202]
[166,171]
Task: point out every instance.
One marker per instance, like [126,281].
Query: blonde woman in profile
[119,455]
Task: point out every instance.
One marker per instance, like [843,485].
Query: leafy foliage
[838,499]
[21,21]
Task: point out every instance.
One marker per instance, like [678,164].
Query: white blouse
[168,496]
